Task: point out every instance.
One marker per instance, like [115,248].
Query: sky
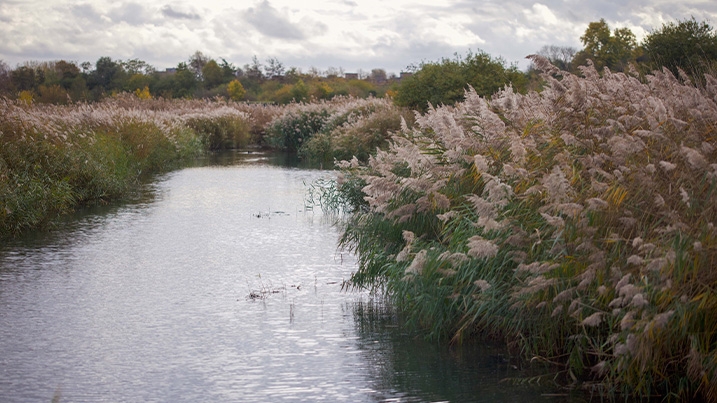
[352,35]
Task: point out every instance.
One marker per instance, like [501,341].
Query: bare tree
[314,72]
[378,75]
[254,70]
[196,63]
[334,72]
[274,68]
[560,56]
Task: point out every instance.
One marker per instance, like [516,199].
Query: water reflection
[149,300]
[402,366]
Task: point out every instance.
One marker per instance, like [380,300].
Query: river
[215,283]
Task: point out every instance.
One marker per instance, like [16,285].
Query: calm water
[215,285]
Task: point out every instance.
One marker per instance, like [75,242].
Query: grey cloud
[169,12]
[267,20]
[85,11]
[131,13]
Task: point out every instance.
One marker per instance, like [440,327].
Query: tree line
[200,76]
[688,48]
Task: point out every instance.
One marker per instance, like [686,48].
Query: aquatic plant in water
[577,223]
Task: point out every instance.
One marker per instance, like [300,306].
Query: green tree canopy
[614,51]
[445,82]
[688,45]
[212,74]
[108,75]
[23,78]
[185,81]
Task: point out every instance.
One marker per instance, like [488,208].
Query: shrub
[291,130]
[356,133]
[221,132]
[445,83]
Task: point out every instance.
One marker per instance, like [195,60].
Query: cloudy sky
[351,34]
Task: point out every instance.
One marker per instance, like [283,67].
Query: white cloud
[541,14]
[351,34]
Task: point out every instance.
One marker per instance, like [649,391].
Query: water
[215,284]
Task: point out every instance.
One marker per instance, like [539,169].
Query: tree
[300,91]
[212,74]
[614,51]
[378,75]
[136,66]
[254,70]
[5,83]
[66,70]
[139,81]
[23,78]
[185,81]
[335,72]
[688,45]
[236,90]
[229,71]
[274,68]
[560,56]
[107,75]
[445,83]
[196,63]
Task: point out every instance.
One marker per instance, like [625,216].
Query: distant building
[351,76]
[405,75]
[167,72]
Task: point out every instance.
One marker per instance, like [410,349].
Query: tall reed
[54,158]
[340,128]
[577,223]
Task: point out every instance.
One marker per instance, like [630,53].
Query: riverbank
[577,224]
[55,158]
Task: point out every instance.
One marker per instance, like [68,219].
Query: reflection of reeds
[585,219]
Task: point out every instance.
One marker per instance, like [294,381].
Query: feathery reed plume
[589,208]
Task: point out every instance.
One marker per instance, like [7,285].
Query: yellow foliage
[322,91]
[391,93]
[143,93]
[236,90]
[616,195]
[25,96]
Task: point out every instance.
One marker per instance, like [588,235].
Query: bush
[290,131]
[686,45]
[222,132]
[358,133]
[445,83]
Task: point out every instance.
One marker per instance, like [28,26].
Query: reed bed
[54,158]
[577,224]
[344,127]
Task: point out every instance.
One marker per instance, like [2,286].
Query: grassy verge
[56,158]
[577,224]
